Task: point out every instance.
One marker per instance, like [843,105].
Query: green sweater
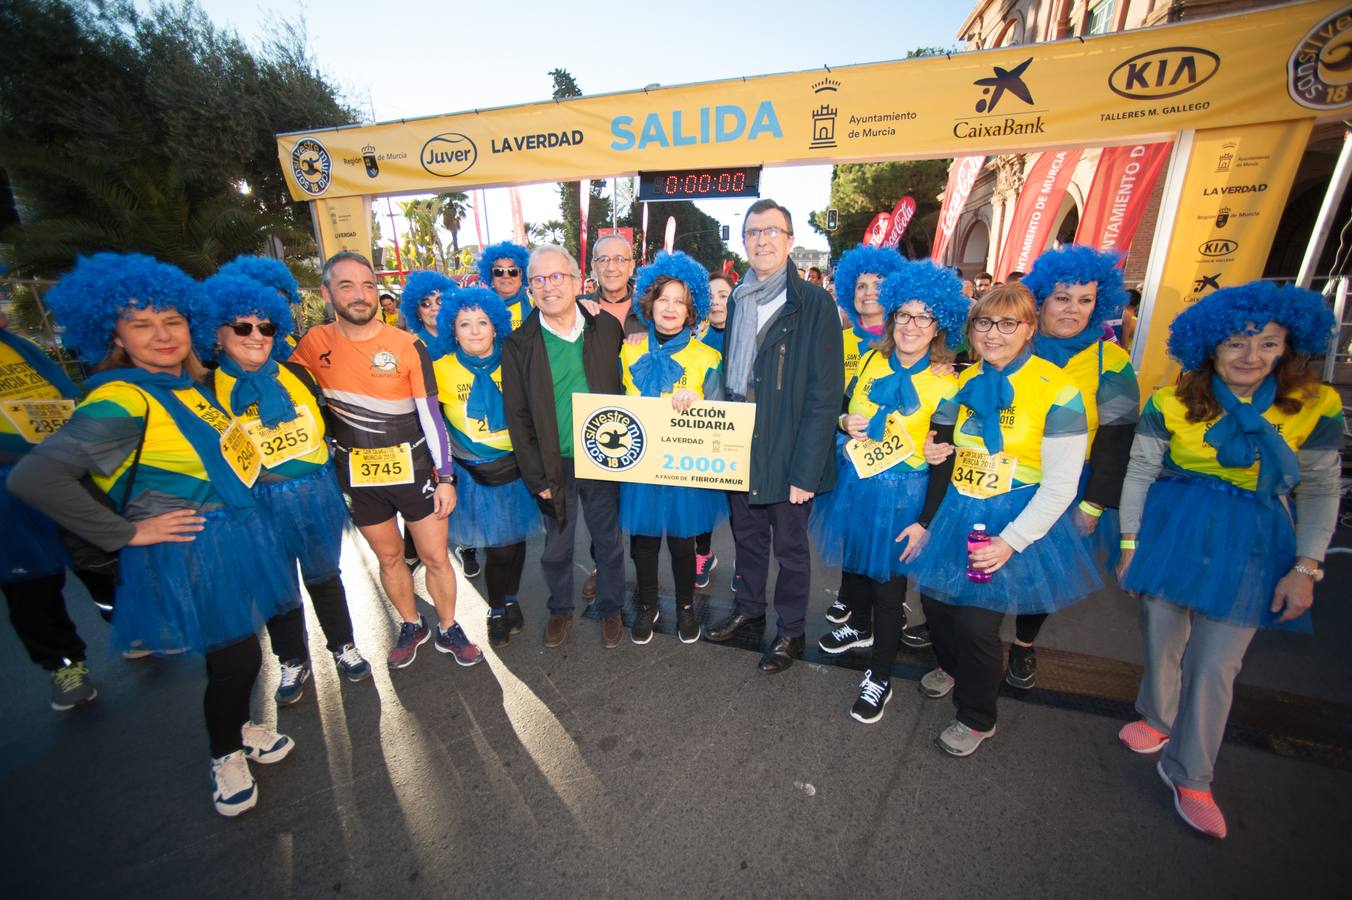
[565,364]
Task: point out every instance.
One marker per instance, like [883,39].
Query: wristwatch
[1316,574]
[445,479]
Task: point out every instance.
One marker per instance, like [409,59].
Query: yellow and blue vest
[933,389]
[1106,381]
[698,361]
[301,396]
[1317,425]
[856,342]
[19,381]
[470,438]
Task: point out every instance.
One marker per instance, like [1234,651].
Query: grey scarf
[739,354]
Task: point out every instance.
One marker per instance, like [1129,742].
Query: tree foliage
[859,191]
[124,130]
[570,192]
[697,232]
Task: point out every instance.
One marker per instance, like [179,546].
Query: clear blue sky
[416,58]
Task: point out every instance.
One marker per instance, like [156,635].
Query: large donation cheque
[644,440]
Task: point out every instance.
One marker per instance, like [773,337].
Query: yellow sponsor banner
[1233,192]
[644,440]
[343,223]
[1141,85]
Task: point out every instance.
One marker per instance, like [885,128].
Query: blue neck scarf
[420,331]
[1059,351]
[485,397]
[521,297]
[713,339]
[1242,435]
[263,387]
[987,394]
[894,392]
[41,363]
[655,372]
[204,440]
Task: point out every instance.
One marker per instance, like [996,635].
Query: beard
[346,314]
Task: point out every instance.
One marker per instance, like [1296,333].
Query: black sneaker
[469,561]
[516,622]
[917,638]
[499,630]
[1022,672]
[644,619]
[846,637]
[838,613]
[687,626]
[873,696]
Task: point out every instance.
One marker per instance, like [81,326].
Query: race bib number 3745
[380,466]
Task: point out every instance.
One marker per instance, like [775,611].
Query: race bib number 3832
[871,457]
[983,475]
[380,466]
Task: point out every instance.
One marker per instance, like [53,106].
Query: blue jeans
[601,508]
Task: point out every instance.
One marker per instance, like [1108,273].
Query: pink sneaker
[1141,737]
[704,566]
[1197,808]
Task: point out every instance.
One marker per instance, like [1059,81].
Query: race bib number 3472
[983,475]
[380,466]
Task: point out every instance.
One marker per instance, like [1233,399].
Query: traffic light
[725,232]
[832,220]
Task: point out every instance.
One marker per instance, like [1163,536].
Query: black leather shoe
[734,623]
[783,651]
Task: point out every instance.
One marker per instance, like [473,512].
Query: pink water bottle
[975,540]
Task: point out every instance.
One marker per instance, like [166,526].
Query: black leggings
[703,542]
[967,644]
[889,616]
[502,572]
[645,551]
[1027,626]
[287,630]
[37,610]
[231,672]
[857,595]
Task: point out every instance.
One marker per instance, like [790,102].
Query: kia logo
[448,155]
[1219,247]
[1166,72]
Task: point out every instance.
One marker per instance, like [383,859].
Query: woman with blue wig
[1020,440]
[494,509]
[200,568]
[244,326]
[885,494]
[502,267]
[420,301]
[1230,500]
[859,280]
[671,297]
[1078,289]
[271,273]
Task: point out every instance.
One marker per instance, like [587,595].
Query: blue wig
[417,287]
[880,261]
[222,299]
[684,269]
[90,299]
[936,287]
[1199,329]
[505,250]
[272,272]
[1078,264]
[458,299]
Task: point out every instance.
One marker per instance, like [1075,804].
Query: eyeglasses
[429,302]
[607,260]
[506,273]
[774,231]
[921,320]
[1004,326]
[244,329]
[554,278]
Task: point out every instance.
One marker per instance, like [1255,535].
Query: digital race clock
[699,184]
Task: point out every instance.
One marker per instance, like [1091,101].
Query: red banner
[1035,213]
[961,176]
[1117,199]
[584,204]
[877,230]
[901,217]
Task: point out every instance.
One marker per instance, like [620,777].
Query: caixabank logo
[998,113]
[1319,72]
[613,438]
[312,166]
[448,154]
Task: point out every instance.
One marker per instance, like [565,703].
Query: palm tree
[422,248]
[452,207]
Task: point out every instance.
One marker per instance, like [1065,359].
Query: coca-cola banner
[877,230]
[1117,199]
[901,217]
[1035,213]
[961,176]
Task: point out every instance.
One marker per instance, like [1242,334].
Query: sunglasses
[244,329]
[430,302]
[506,273]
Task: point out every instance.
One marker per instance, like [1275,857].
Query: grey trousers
[1191,663]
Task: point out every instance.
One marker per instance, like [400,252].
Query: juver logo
[448,155]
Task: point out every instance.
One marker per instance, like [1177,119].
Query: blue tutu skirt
[207,594]
[492,515]
[308,515]
[821,522]
[867,515]
[30,548]
[1214,548]
[1105,542]
[658,509]
[1050,574]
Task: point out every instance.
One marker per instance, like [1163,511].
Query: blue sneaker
[351,664]
[291,687]
[455,642]
[412,635]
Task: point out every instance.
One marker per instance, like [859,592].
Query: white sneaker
[936,684]
[959,740]
[232,785]
[263,745]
